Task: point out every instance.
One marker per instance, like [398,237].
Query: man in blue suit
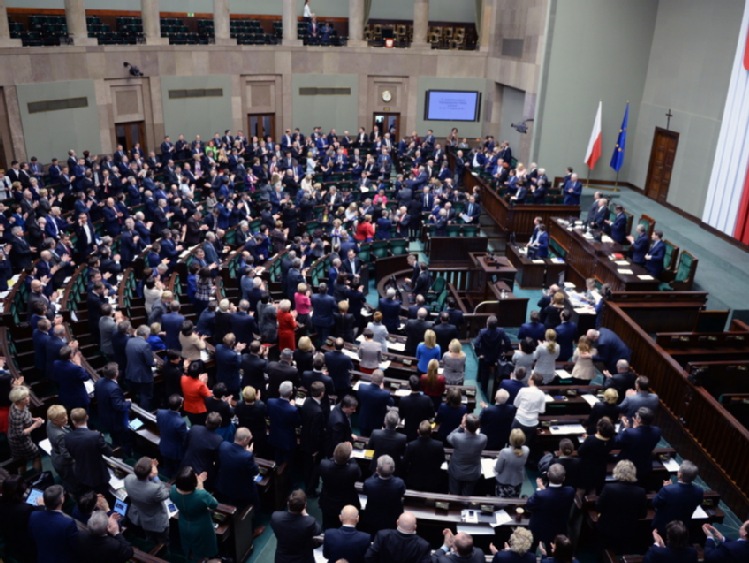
[539,247]
[54,532]
[496,420]
[346,542]
[139,361]
[573,189]
[601,215]
[640,245]
[41,337]
[228,361]
[171,324]
[243,324]
[390,308]
[339,367]
[566,335]
[656,254]
[384,492]
[373,403]
[618,227]
[473,211]
[112,407]
[679,500]
[727,551]
[235,482]
[284,420]
[550,507]
[638,442]
[534,328]
[70,377]
[173,431]
[610,348]
[323,308]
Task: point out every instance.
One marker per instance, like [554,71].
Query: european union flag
[617,159]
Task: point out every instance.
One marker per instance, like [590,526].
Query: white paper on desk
[548,398]
[397,346]
[46,445]
[402,393]
[360,338]
[443,467]
[73,317]
[357,454]
[299,401]
[317,554]
[363,501]
[621,262]
[645,277]
[89,385]
[440,371]
[66,280]
[401,327]
[699,514]
[562,373]
[501,518]
[539,261]
[475,529]
[487,467]
[567,429]
[607,239]
[355,386]
[592,400]
[4,294]
[584,310]
[114,481]
[671,466]
[558,260]
[625,271]
[351,354]
[384,365]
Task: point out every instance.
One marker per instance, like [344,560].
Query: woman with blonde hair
[428,350]
[583,371]
[57,429]
[287,325]
[510,466]
[454,363]
[379,330]
[551,315]
[519,549]
[303,354]
[546,355]
[432,383]
[608,407]
[20,426]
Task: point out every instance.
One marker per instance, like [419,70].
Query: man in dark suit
[473,211]
[294,530]
[312,438]
[422,282]
[640,245]
[339,367]
[727,551]
[423,460]
[566,335]
[254,366]
[489,346]
[610,348]
[415,329]
[173,432]
[373,403]
[623,380]
[112,407]
[235,481]
[415,408]
[550,507]
[71,378]
[54,532]
[458,548]
[20,252]
[280,371]
[103,541]
[618,227]
[316,374]
[514,384]
[323,307]
[655,256]
[601,215]
[346,542]
[390,308]
[621,504]
[86,448]
[201,447]
[496,420]
[339,424]
[678,500]
[638,442]
[399,545]
[445,331]
[384,492]
[573,189]
[139,363]
[171,324]
[284,420]
[388,441]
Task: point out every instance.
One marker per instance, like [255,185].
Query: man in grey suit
[642,397]
[147,495]
[465,464]
[139,363]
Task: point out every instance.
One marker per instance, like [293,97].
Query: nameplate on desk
[397,346]
[567,429]
[402,392]
[621,262]
[135,424]
[625,271]
[699,514]
[538,261]
[645,277]
[475,529]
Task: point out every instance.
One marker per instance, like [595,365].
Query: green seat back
[398,246]
[685,267]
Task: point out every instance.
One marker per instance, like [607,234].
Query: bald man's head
[349,515]
[407,523]
[463,544]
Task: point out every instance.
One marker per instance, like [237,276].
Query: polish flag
[594,145]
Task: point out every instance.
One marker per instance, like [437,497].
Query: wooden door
[262,125]
[130,134]
[388,122]
[662,156]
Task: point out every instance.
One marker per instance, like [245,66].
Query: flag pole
[587,178]
[616,182]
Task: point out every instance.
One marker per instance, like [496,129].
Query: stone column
[290,36]
[489,22]
[421,23]
[5,40]
[75,16]
[221,23]
[149,13]
[356,23]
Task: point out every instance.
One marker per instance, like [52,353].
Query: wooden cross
[669,115]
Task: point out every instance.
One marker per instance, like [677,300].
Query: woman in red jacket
[287,325]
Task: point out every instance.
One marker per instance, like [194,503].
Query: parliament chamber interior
[374,281]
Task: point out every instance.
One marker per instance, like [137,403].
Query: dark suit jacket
[201,450]
[277,374]
[92,549]
[610,349]
[667,555]
[413,409]
[339,368]
[620,506]
[284,419]
[323,307]
[390,309]
[373,404]
[654,266]
[676,502]
[227,367]
[445,332]
[139,360]
[111,405]
[421,464]
[312,438]
[309,377]
[173,432]
[236,473]
[387,441]
[415,330]
[550,511]
[566,336]
[253,371]
[640,248]
[56,536]
[338,430]
[728,551]
[384,502]
[338,485]
[637,445]
[86,447]
[294,534]
[171,324]
[392,546]
[70,378]
[496,421]
[244,327]
[346,543]
[491,344]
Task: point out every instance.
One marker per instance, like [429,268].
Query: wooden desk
[489,269]
[534,273]
[589,258]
